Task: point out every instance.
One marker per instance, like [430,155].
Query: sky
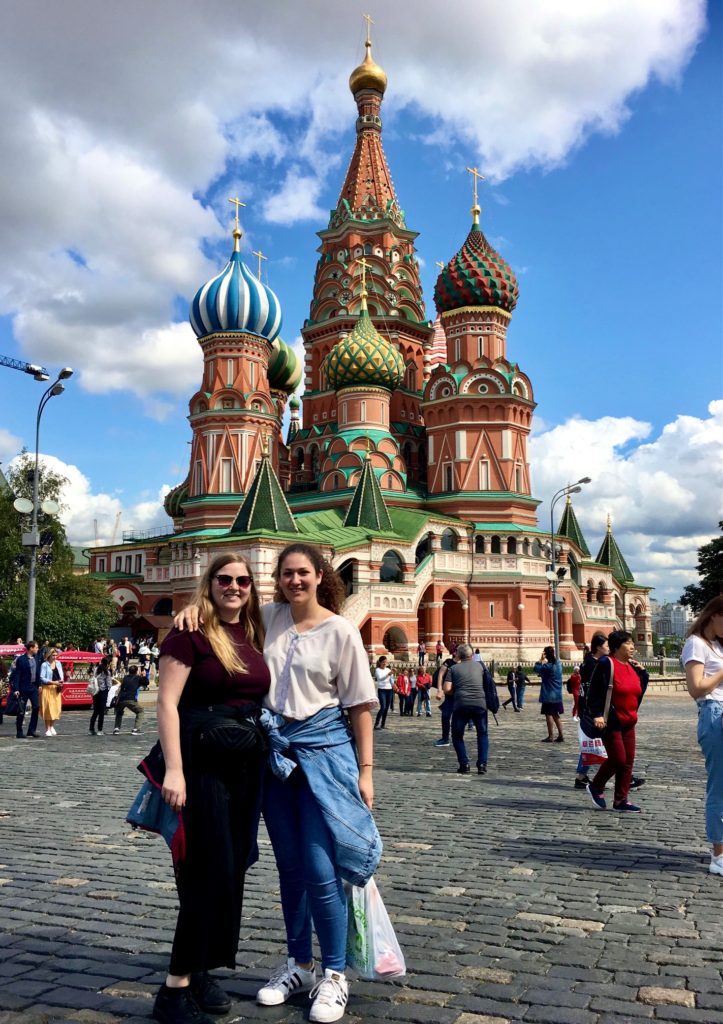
[125,128]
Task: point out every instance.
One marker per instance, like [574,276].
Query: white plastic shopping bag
[372,949]
[593,750]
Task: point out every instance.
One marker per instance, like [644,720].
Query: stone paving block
[622,1006]
[559,1015]
[657,995]
[480,1018]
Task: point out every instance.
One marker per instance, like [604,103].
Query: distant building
[671,619]
[408,465]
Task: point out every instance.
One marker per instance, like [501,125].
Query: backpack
[491,696]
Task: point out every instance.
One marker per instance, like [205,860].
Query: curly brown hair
[330,593]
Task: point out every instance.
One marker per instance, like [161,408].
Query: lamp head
[57,389]
[585,480]
[574,490]
[66,372]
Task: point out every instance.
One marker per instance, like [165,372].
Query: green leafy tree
[710,571]
[71,610]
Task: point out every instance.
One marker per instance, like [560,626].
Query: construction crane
[38,372]
[115,527]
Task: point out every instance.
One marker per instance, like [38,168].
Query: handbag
[92,687]
[587,722]
[15,704]
[230,742]
[372,947]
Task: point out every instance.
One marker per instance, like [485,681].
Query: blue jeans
[423,698]
[460,718]
[311,889]
[385,702]
[710,738]
[34,697]
[445,710]
[521,695]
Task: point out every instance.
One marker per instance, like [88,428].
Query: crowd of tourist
[269,710]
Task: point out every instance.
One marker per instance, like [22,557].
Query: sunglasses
[225,581]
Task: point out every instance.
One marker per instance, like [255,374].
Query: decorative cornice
[477,309]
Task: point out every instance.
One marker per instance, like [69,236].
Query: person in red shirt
[629,684]
[403,689]
[573,687]
[424,683]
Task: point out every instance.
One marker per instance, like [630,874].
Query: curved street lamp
[555,576]
[32,539]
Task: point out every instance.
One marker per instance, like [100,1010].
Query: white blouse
[324,667]
[710,656]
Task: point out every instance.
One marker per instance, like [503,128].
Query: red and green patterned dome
[476,276]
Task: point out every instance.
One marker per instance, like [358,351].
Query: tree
[69,609]
[710,571]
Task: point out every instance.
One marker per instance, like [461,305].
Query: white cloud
[110,148]
[9,445]
[84,510]
[664,495]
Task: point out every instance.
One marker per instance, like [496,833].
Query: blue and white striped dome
[235,300]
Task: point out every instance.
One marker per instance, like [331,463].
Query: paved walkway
[514,900]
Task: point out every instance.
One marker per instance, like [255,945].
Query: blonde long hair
[250,617]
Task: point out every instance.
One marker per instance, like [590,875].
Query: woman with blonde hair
[209,764]
[702,658]
[51,691]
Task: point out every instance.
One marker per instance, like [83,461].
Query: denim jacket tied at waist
[321,747]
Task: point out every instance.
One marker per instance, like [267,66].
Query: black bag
[14,704]
[230,742]
[587,722]
[492,699]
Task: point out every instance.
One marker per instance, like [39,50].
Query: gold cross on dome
[363,264]
[369,448]
[367,18]
[260,257]
[475,175]
[237,203]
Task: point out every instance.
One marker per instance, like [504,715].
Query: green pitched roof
[367,506]
[611,556]
[570,528]
[265,507]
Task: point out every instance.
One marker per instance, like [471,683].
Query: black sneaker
[463,769]
[481,769]
[208,993]
[637,782]
[177,1006]
[582,783]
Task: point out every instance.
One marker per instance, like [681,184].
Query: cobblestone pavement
[513,898]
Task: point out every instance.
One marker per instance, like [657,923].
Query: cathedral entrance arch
[425,615]
[453,625]
[395,641]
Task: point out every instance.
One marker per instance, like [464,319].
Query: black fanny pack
[227,735]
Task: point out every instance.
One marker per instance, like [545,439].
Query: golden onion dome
[368,75]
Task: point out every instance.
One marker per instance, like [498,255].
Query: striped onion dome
[362,358]
[285,369]
[476,276]
[235,300]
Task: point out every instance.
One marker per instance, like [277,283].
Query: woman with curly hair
[702,659]
[317,807]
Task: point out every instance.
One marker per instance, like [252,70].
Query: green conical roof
[367,506]
[570,528]
[611,555]
[265,506]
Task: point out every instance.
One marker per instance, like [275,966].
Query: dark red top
[627,692]
[208,681]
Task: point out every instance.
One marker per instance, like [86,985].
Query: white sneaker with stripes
[285,982]
[329,997]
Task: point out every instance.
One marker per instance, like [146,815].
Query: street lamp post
[555,576]
[32,539]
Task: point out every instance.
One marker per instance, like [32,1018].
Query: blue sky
[603,193]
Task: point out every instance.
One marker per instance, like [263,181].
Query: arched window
[496,546]
[163,607]
[391,569]
[348,572]
[423,549]
[314,455]
[449,541]
[299,458]
[525,546]
[479,545]
[574,568]
[536,549]
[590,591]
[601,593]
[511,546]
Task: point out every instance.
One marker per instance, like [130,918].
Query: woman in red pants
[629,682]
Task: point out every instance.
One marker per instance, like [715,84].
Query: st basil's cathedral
[407,460]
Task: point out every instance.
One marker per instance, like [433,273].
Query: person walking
[521,682]
[447,705]
[421,653]
[412,689]
[383,676]
[550,672]
[598,649]
[51,691]
[209,762]
[629,682]
[465,684]
[512,687]
[702,659]
[128,701]
[573,688]
[438,652]
[104,680]
[403,689]
[25,680]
